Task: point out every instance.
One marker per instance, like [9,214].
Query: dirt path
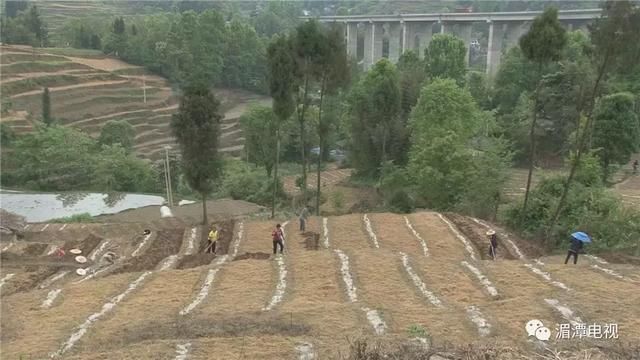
[22,318]
[106,64]
[394,235]
[164,295]
[69,87]
[316,295]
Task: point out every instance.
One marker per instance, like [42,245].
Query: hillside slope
[89,90]
[375,274]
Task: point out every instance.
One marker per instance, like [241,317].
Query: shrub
[77,218]
[337,200]
[242,182]
[590,207]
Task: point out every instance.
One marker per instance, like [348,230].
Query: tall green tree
[282,66]
[451,162]
[196,127]
[46,107]
[542,44]
[118,132]
[374,109]
[259,127]
[36,25]
[617,130]
[308,48]
[444,58]
[334,75]
[412,75]
[612,35]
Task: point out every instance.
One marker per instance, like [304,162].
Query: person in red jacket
[278,239]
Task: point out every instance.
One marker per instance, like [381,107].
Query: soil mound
[225,236]
[168,242]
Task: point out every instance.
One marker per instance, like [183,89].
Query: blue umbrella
[581,236]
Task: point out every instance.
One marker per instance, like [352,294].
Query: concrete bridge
[402,32]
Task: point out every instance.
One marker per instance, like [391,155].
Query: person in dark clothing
[635,166]
[278,239]
[574,249]
[493,243]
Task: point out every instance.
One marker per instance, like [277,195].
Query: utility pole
[168,176]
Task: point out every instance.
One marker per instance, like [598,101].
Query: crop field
[375,275]
[88,89]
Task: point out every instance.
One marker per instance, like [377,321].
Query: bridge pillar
[394,41]
[369,28]
[352,40]
[424,31]
[514,31]
[494,48]
[465,35]
[378,38]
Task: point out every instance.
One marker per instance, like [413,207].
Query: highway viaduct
[414,31]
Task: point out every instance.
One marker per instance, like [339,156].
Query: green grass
[11,58]
[77,218]
[67,51]
[21,86]
[40,66]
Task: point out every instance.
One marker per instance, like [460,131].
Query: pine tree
[196,126]
[46,107]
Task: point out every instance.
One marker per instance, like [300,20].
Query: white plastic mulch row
[611,272]
[484,327]
[63,227]
[182,350]
[5,278]
[513,245]
[169,262]
[486,283]
[9,246]
[372,235]
[45,227]
[211,274]
[423,243]
[48,282]
[564,310]
[325,228]
[547,277]
[433,299]
[51,297]
[141,245]
[204,291]
[597,259]
[281,286]
[191,244]
[465,242]
[99,250]
[305,351]
[379,326]
[84,327]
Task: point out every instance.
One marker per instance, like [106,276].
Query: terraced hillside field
[89,90]
[362,274]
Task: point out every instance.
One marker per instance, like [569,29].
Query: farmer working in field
[278,239]
[303,218]
[213,239]
[577,243]
[493,243]
[635,167]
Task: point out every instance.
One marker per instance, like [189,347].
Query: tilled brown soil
[38,270]
[254,256]
[167,242]
[477,235]
[35,249]
[620,258]
[225,236]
